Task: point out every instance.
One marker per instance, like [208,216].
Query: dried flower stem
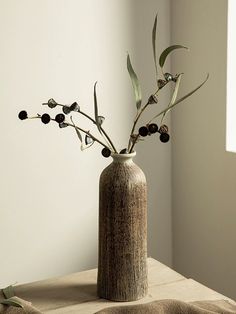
[103,131]
[80,129]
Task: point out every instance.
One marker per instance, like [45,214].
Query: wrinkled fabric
[171,306]
[27,308]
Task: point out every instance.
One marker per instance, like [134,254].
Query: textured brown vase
[122,268]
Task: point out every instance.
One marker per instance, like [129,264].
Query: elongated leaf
[96,108]
[12,302]
[135,83]
[154,31]
[8,292]
[181,99]
[166,52]
[77,131]
[174,95]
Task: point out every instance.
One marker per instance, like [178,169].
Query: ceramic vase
[122,262]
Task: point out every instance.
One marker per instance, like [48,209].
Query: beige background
[49,189]
[204,176]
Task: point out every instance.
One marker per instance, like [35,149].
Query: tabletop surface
[76,293]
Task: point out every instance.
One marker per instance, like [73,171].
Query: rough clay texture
[122,265]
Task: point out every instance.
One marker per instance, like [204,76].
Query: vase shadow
[57,295]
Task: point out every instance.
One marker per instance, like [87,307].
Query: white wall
[204,176]
[49,189]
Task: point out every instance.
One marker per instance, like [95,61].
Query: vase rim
[123,157]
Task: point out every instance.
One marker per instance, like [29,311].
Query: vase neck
[123,158]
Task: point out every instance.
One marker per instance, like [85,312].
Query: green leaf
[97,119]
[166,52]
[181,99]
[174,95]
[12,302]
[135,83]
[154,30]
[8,292]
[77,131]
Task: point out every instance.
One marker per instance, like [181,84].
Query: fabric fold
[171,306]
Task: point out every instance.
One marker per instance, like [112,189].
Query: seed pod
[153,128]
[106,152]
[88,139]
[163,129]
[152,100]
[164,137]
[63,125]
[23,115]
[143,131]
[52,103]
[66,109]
[45,118]
[168,77]
[75,107]
[60,118]
[124,151]
[161,83]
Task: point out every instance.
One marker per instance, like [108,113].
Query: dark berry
[60,118]
[164,137]
[75,107]
[66,109]
[124,151]
[168,77]
[45,118]
[106,152]
[143,131]
[163,129]
[153,128]
[23,115]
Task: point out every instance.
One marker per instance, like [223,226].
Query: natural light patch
[231,78]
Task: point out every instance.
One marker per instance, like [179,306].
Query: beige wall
[204,176]
[49,189]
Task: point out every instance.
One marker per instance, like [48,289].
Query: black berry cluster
[152,129]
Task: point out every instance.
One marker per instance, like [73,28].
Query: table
[76,293]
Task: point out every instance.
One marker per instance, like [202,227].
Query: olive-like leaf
[13,302]
[174,95]
[181,99]
[96,108]
[154,30]
[8,292]
[77,131]
[135,83]
[166,52]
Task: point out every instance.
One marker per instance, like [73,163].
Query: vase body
[122,261]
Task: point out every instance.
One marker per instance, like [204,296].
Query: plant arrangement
[87,138]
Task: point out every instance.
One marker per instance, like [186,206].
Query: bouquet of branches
[87,138]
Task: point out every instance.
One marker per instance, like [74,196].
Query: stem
[134,142]
[136,121]
[91,119]
[76,127]
[134,125]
